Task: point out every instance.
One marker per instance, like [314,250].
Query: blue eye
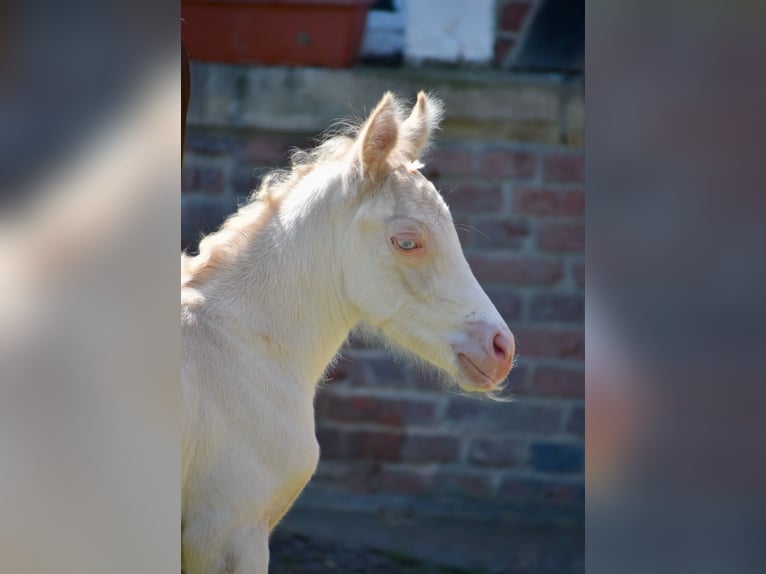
[405,243]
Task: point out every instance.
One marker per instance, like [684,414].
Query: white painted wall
[449,30]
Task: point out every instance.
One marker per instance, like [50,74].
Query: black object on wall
[555,39]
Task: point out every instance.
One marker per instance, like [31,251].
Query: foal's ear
[378,136]
[417,129]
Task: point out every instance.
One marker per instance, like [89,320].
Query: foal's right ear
[378,137]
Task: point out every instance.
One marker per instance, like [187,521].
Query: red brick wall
[387,428]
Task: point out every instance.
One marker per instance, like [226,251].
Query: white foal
[353,235]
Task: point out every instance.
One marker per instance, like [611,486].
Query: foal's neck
[284,290]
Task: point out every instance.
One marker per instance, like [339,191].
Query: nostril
[502,346]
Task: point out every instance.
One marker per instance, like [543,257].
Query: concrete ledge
[481,104]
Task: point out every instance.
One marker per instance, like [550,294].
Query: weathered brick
[543,201]
[578,268]
[425,448]
[547,343]
[517,381]
[426,378]
[564,168]
[499,163]
[509,233]
[448,162]
[467,411]
[381,371]
[576,422]
[330,471]
[331,443]
[504,417]
[521,488]
[497,452]
[209,143]
[244,181]
[557,458]
[474,198]
[506,301]
[374,445]
[516,270]
[394,412]
[512,16]
[564,492]
[573,202]
[400,481]
[535,419]
[567,237]
[355,477]
[385,371]
[208,179]
[269,149]
[518,488]
[557,307]
[458,482]
[559,382]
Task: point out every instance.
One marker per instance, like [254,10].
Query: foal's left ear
[378,137]
[417,129]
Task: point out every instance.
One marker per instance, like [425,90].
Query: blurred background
[413,477]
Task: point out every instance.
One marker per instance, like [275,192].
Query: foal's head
[405,269]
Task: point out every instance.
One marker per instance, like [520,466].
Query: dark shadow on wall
[555,40]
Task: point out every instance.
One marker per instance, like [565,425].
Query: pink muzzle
[486,354]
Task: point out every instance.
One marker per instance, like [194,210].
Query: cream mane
[222,246]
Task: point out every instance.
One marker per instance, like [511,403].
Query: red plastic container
[275,32]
